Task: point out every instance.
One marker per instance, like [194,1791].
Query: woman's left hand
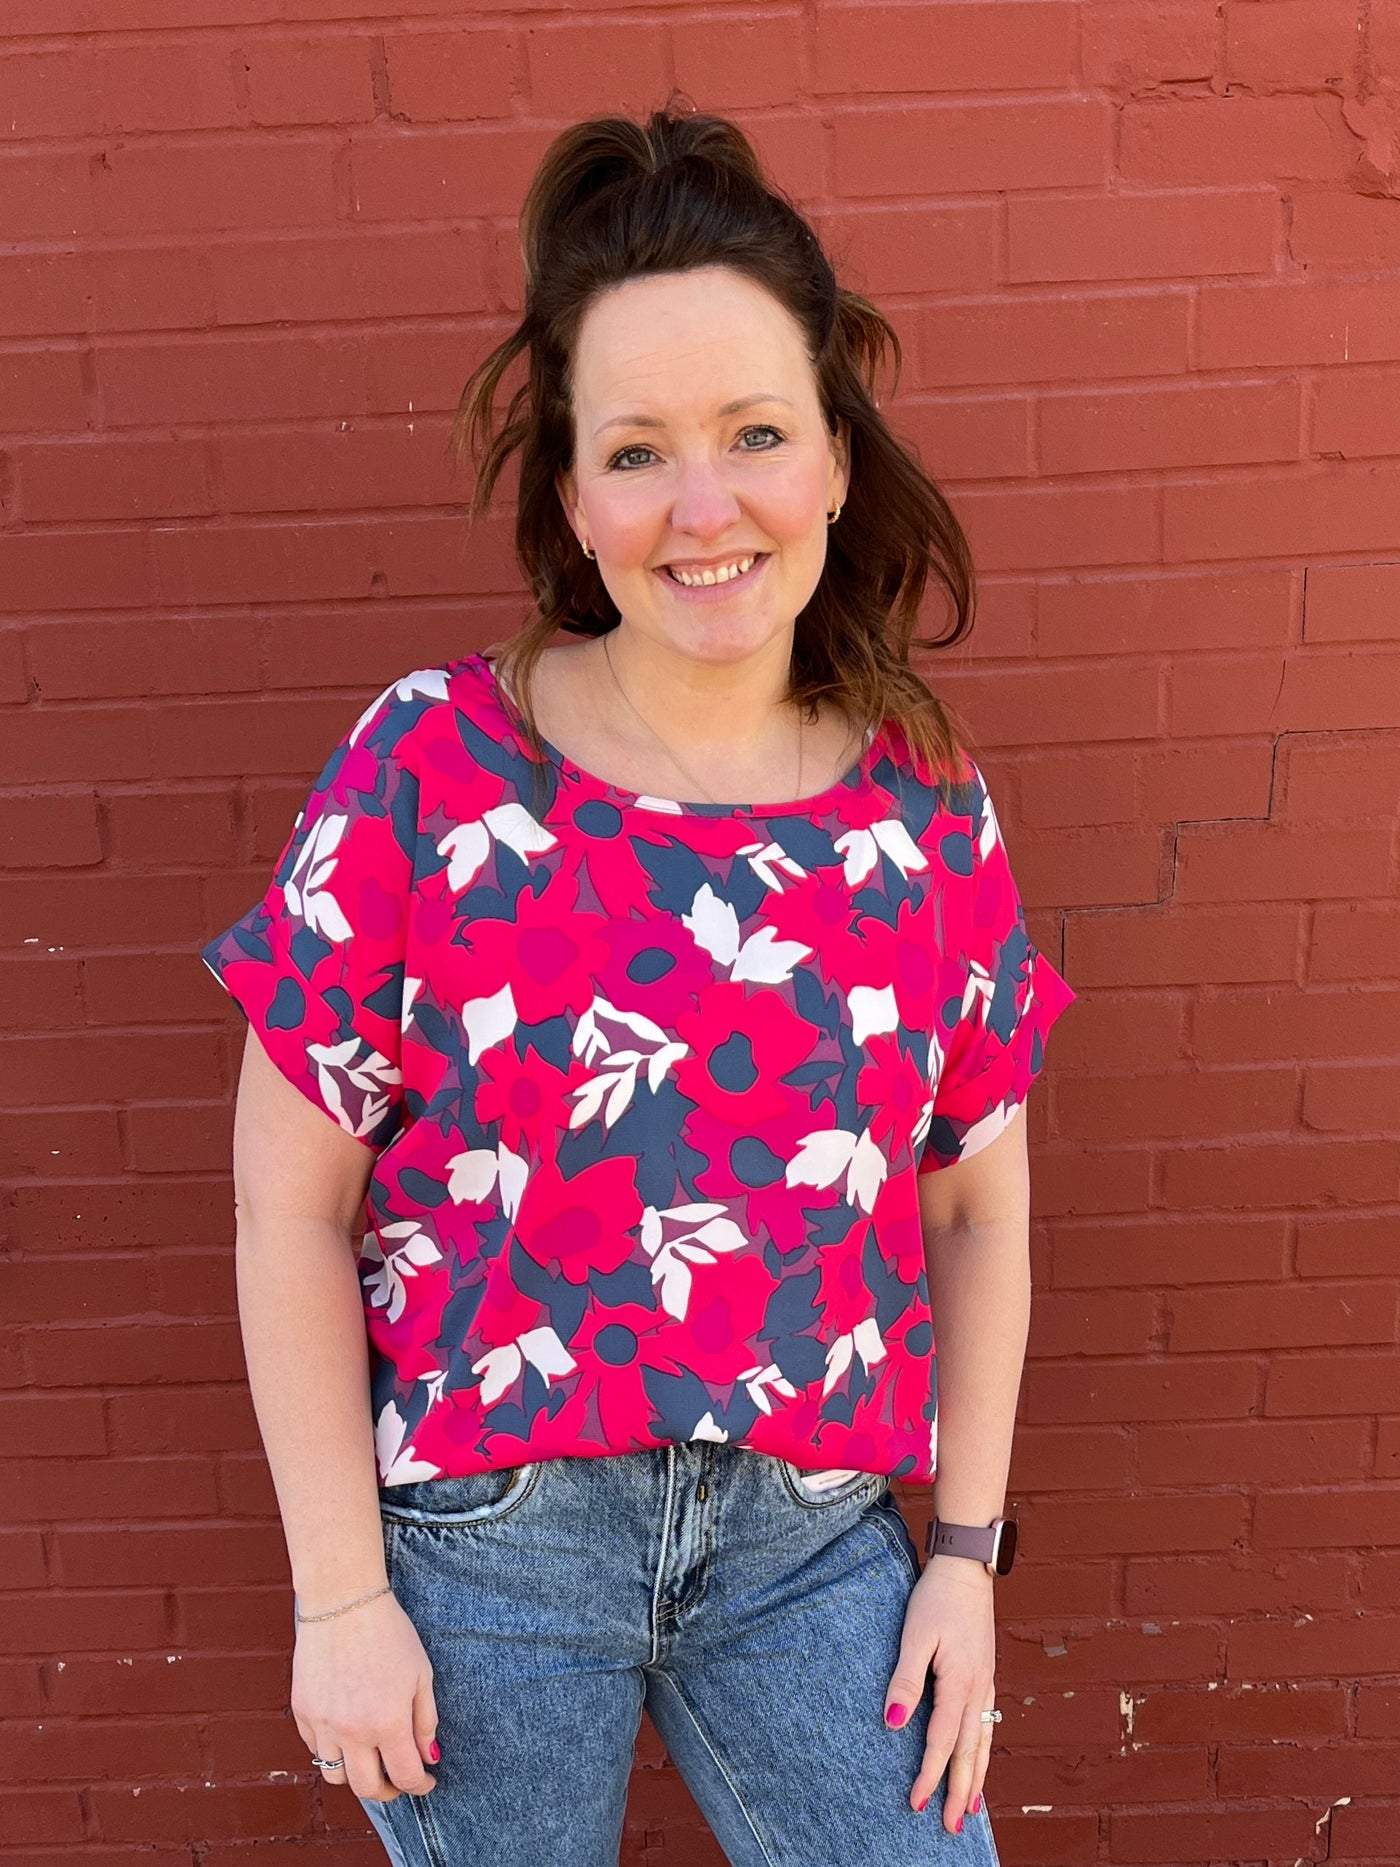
[950,1625]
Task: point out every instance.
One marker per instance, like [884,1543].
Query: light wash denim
[754,1609]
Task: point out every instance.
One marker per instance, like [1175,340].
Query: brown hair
[614,200]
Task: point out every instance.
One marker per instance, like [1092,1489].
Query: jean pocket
[473,1498]
[832,1484]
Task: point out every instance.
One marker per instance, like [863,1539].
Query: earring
[832,517]
[586,551]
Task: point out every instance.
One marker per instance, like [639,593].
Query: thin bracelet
[300,1617]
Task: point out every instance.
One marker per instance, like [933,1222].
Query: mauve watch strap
[961,1539]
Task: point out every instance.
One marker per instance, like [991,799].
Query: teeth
[722,574]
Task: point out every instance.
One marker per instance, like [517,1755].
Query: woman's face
[671,475]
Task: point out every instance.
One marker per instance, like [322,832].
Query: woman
[670,997]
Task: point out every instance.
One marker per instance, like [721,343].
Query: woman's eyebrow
[652,421]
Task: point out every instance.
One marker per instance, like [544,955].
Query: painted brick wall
[1145,257]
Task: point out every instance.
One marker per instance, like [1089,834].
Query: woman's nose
[704,504]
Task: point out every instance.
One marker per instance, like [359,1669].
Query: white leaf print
[714,924]
[387,1287]
[472,1175]
[869,1342]
[411,988]
[661,1060]
[759,1380]
[668,804]
[838,1359]
[489,1021]
[693,1253]
[399,1466]
[466,846]
[868,1172]
[499,1371]
[588,1038]
[894,838]
[651,1230]
[371,1079]
[980,984]
[921,1128]
[982,1132]
[765,858]
[721,1234]
[861,853]
[307,889]
[674,1279]
[821,1158]
[707,1429]
[874,1011]
[697,1209]
[513,1172]
[513,825]
[989,832]
[421,684]
[766,959]
[545,1352]
[620,1098]
[590,1100]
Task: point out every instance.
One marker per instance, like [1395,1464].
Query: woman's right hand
[362,1689]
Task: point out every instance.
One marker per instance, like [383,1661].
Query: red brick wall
[1145,257]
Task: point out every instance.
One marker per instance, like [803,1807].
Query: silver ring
[991,1717]
[329,1763]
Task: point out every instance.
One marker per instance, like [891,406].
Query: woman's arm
[976,1224]
[299,1183]
[362,1684]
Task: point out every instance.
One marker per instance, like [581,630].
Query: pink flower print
[546,956]
[525,1095]
[743,1045]
[582,1224]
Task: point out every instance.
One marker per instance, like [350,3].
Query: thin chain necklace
[801,725]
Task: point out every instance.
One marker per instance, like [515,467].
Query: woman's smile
[727,584]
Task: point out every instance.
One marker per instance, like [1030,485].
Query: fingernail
[976,1804]
[435,1752]
[958,1829]
[896,1715]
[921,1806]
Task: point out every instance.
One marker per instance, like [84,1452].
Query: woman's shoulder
[398,710]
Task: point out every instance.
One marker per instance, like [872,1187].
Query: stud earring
[832,517]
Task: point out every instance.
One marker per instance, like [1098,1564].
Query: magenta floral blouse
[648,1084]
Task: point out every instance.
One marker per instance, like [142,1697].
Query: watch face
[1006,1546]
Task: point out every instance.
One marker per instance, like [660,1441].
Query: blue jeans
[756,1615]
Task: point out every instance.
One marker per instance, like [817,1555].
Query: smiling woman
[660,974]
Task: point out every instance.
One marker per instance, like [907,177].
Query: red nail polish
[976,1803]
[435,1752]
[897,1715]
[921,1806]
[958,1829]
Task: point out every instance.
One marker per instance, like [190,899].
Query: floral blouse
[648,1084]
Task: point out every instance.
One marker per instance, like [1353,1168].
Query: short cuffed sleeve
[317,966]
[993,1041]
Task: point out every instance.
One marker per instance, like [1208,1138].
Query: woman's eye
[637,447]
[764,429]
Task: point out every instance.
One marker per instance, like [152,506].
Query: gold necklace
[801,725]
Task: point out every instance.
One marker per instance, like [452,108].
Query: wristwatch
[993,1543]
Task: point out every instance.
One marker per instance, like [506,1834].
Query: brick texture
[1144,259]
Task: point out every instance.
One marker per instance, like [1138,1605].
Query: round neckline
[849,784]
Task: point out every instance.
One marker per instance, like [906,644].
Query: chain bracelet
[374,1596]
